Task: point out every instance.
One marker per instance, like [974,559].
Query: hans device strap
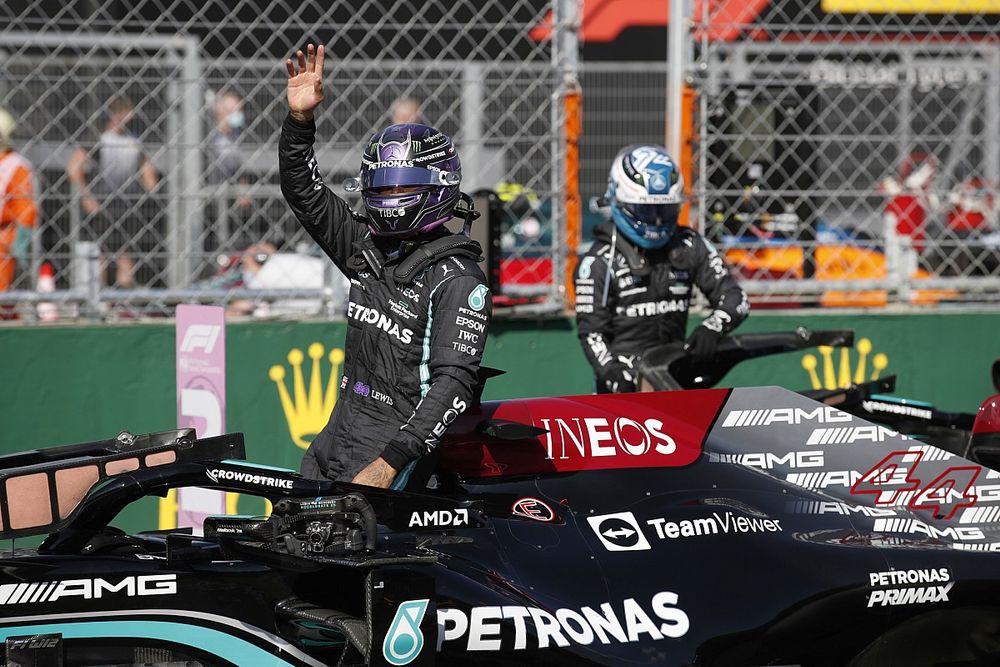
[432,251]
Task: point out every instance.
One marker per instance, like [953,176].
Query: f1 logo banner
[201,396]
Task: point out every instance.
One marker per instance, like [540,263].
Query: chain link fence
[152,129]
[849,151]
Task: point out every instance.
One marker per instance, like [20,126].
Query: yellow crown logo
[843,377]
[309,412]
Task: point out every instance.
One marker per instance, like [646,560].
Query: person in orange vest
[18,210]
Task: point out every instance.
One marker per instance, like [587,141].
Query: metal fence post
[173,209]
[472,126]
[191,206]
[566,66]
[87,277]
[678,48]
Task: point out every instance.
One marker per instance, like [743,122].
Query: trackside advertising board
[201,396]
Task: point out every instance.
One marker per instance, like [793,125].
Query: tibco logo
[598,436]
[88,589]
[766,417]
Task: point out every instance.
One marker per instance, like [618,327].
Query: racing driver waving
[419,307]
[633,286]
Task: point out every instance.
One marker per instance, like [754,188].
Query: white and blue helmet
[645,192]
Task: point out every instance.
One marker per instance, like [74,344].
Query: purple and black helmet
[415,157]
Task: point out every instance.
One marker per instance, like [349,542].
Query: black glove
[617,378]
[701,343]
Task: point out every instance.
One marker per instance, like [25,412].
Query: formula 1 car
[668,367]
[701,527]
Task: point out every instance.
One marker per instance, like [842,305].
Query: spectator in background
[973,207]
[405,110]
[912,201]
[113,192]
[18,210]
[224,172]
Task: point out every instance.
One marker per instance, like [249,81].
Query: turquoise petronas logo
[477,298]
[403,642]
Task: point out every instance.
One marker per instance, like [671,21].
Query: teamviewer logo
[619,532]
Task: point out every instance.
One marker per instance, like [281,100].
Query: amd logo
[599,437]
[439,518]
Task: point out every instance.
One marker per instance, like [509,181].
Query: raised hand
[305,83]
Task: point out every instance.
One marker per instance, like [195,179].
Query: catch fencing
[199,89]
[849,145]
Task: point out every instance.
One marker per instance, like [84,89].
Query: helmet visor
[389,177]
[653,214]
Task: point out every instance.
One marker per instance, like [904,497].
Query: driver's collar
[634,256]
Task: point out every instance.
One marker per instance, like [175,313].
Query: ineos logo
[596,437]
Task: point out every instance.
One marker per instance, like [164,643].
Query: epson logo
[770,460]
[219,474]
[632,622]
[821,414]
[598,436]
[88,589]
[845,435]
[372,316]
[439,519]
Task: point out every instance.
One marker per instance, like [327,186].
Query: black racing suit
[413,346]
[644,302]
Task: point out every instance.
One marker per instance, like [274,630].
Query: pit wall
[72,384]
